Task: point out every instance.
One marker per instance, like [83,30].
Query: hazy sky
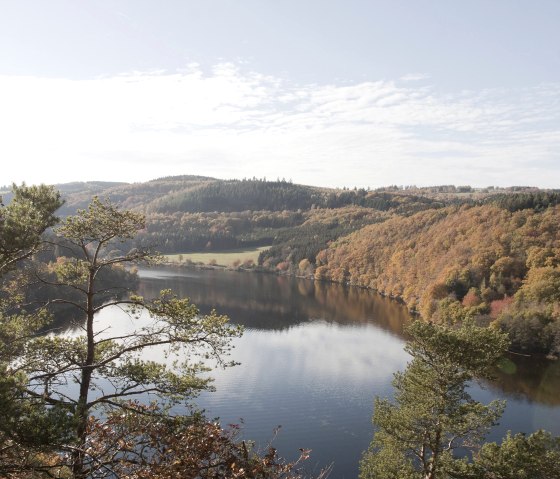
[325,92]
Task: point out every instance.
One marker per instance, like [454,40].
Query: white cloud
[231,123]
[414,77]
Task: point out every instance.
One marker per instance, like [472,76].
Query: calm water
[314,355]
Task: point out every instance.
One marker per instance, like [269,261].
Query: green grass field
[222,258]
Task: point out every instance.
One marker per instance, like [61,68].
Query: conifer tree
[433,413]
[23,221]
[67,379]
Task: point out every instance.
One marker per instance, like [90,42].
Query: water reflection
[317,380]
[264,301]
[536,379]
[315,354]
[269,302]
[313,357]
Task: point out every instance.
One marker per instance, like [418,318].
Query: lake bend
[314,355]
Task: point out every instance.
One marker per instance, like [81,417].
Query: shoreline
[261,270]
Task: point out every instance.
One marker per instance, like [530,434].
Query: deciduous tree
[141,444]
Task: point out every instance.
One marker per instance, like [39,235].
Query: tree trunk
[82,411]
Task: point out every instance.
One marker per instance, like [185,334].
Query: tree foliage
[23,432]
[434,429]
[537,201]
[30,212]
[520,456]
[141,443]
[73,404]
[433,415]
[64,379]
[455,263]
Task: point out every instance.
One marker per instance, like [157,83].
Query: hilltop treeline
[242,195]
[537,201]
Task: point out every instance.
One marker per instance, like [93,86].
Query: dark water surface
[314,355]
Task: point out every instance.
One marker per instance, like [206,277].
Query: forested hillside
[484,262]
[448,252]
[195,213]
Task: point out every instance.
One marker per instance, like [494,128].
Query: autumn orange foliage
[478,256]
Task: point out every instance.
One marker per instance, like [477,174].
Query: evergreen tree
[536,456]
[433,414]
[64,380]
[23,434]
[24,220]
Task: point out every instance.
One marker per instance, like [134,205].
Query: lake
[314,355]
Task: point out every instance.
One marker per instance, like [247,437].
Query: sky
[335,93]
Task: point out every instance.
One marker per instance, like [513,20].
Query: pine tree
[65,380]
[433,414]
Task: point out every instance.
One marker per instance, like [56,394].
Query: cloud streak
[230,123]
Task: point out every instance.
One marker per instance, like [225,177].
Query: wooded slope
[478,261]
